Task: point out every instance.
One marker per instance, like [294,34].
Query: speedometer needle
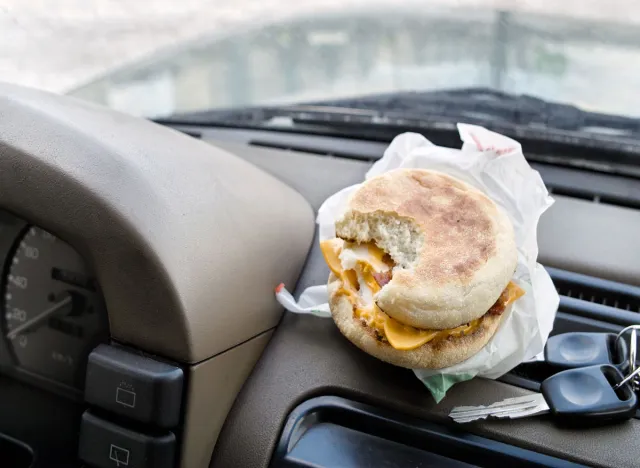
[39,318]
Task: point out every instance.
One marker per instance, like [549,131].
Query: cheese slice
[367,277]
[514,292]
[403,337]
[331,253]
[400,336]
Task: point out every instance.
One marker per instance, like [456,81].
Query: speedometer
[54,313]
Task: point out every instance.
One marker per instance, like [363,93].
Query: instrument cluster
[53,310]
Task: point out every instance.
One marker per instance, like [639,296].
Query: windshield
[157,58]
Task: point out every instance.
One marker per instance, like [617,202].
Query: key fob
[586,395]
[579,349]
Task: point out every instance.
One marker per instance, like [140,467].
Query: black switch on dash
[104,444]
[134,386]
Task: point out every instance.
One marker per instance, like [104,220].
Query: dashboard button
[134,386]
[104,444]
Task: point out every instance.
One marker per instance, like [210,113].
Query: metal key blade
[542,408]
[510,405]
[538,409]
[499,404]
[495,413]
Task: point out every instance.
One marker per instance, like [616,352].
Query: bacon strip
[501,304]
[382,278]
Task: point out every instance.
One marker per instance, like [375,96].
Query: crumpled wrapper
[494,164]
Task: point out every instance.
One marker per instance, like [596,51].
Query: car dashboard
[139,326]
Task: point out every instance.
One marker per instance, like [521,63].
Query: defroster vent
[587,288]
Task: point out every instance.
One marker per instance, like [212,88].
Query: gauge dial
[54,313]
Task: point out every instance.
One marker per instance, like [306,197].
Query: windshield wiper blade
[474,105]
[557,133]
[487,105]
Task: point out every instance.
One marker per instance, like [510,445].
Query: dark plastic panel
[583,349]
[329,432]
[328,445]
[592,310]
[587,396]
[44,421]
[597,290]
[14,453]
[580,183]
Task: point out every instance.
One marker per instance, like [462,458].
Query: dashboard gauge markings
[39,318]
[50,299]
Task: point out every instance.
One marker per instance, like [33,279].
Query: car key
[596,394]
[580,349]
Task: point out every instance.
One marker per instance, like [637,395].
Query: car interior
[162,243]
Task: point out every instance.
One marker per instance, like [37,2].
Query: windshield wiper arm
[549,132]
[474,105]
[482,104]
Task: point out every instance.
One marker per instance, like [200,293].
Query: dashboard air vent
[587,288]
[289,147]
[587,304]
[606,198]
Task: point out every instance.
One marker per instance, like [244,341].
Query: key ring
[624,330]
[627,378]
[633,345]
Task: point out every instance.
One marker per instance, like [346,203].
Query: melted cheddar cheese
[514,292]
[399,335]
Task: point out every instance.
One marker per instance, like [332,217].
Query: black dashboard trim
[584,153]
[589,182]
[373,423]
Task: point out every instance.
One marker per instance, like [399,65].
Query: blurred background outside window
[156,58]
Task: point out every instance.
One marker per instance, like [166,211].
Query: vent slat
[597,311]
[584,194]
[598,291]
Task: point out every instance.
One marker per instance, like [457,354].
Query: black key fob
[586,395]
[578,349]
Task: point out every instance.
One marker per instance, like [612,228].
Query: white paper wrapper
[494,164]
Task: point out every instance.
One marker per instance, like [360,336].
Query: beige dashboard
[188,239]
